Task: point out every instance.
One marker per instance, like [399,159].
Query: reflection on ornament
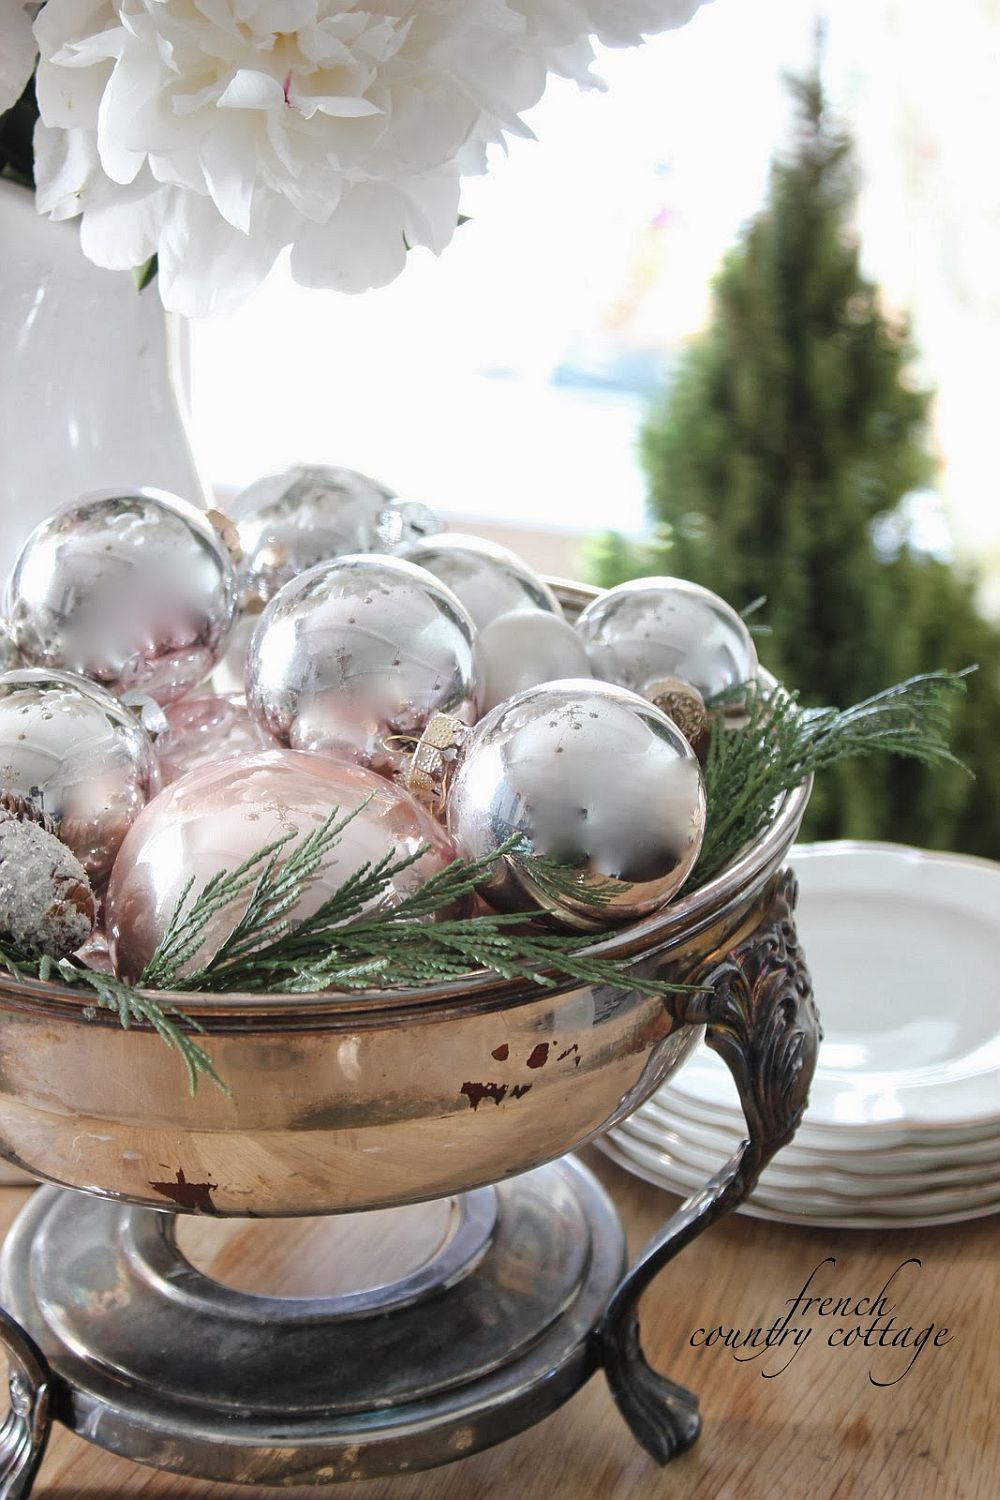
[229,676]
[213,819]
[202,730]
[354,657]
[80,757]
[488,579]
[643,633]
[404,522]
[602,791]
[10,656]
[305,515]
[524,649]
[135,591]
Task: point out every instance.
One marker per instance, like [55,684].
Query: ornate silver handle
[760,1017]
[25,1430]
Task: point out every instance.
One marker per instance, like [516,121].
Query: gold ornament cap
[437,751]
[685,707]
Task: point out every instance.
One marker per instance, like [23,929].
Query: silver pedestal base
[153,1360]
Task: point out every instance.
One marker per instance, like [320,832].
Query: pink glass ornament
[214,818]
[202,730]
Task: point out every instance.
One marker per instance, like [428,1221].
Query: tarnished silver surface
[490,580]
[156,1361]
[79,756]
[134,590]
[652,629]
[305,515]
[24,1433]
[761,1018]
[355,656]
[602,791]
[342,1102]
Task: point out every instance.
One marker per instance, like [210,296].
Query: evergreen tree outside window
[789,435]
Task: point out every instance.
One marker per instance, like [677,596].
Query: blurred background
[713,325]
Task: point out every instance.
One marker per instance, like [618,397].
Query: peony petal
[206,266]
[121,227]
[129,89]
[430,209]
[66,162]
[251,90]
[229,160]
[339,108]
[361,247]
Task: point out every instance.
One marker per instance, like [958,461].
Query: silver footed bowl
[339,1102]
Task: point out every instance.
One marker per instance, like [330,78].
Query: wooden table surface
[820,1430]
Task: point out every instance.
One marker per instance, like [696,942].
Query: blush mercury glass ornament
[290,522]
[202,730]
[73,751]
[488,579]
[134,590]
[213,819]
[602,791]
[523,649]
[355,656]
[656,635]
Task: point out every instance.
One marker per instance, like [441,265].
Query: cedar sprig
[749,768]
[337,948]
[171,1025]
[355,941]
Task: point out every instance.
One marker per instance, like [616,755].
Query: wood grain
[819,1431]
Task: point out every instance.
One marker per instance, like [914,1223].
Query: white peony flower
[17,49]
[214,133]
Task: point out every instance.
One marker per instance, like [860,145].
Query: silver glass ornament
[76,754]
[308,514]
[524,649]
[654,635]
[602,792]
[489,580]
[355,656]
[133,590]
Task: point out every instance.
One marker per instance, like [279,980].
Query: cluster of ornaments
[179,689]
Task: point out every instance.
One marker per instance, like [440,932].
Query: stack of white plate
[903,1123]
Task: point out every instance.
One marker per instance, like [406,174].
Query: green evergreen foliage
[791,429]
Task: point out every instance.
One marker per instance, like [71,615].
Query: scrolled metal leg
[759,1014]
[25,1430]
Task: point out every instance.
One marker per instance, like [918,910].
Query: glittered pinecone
[47,904]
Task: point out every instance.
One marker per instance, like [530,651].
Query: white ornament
[523,649]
